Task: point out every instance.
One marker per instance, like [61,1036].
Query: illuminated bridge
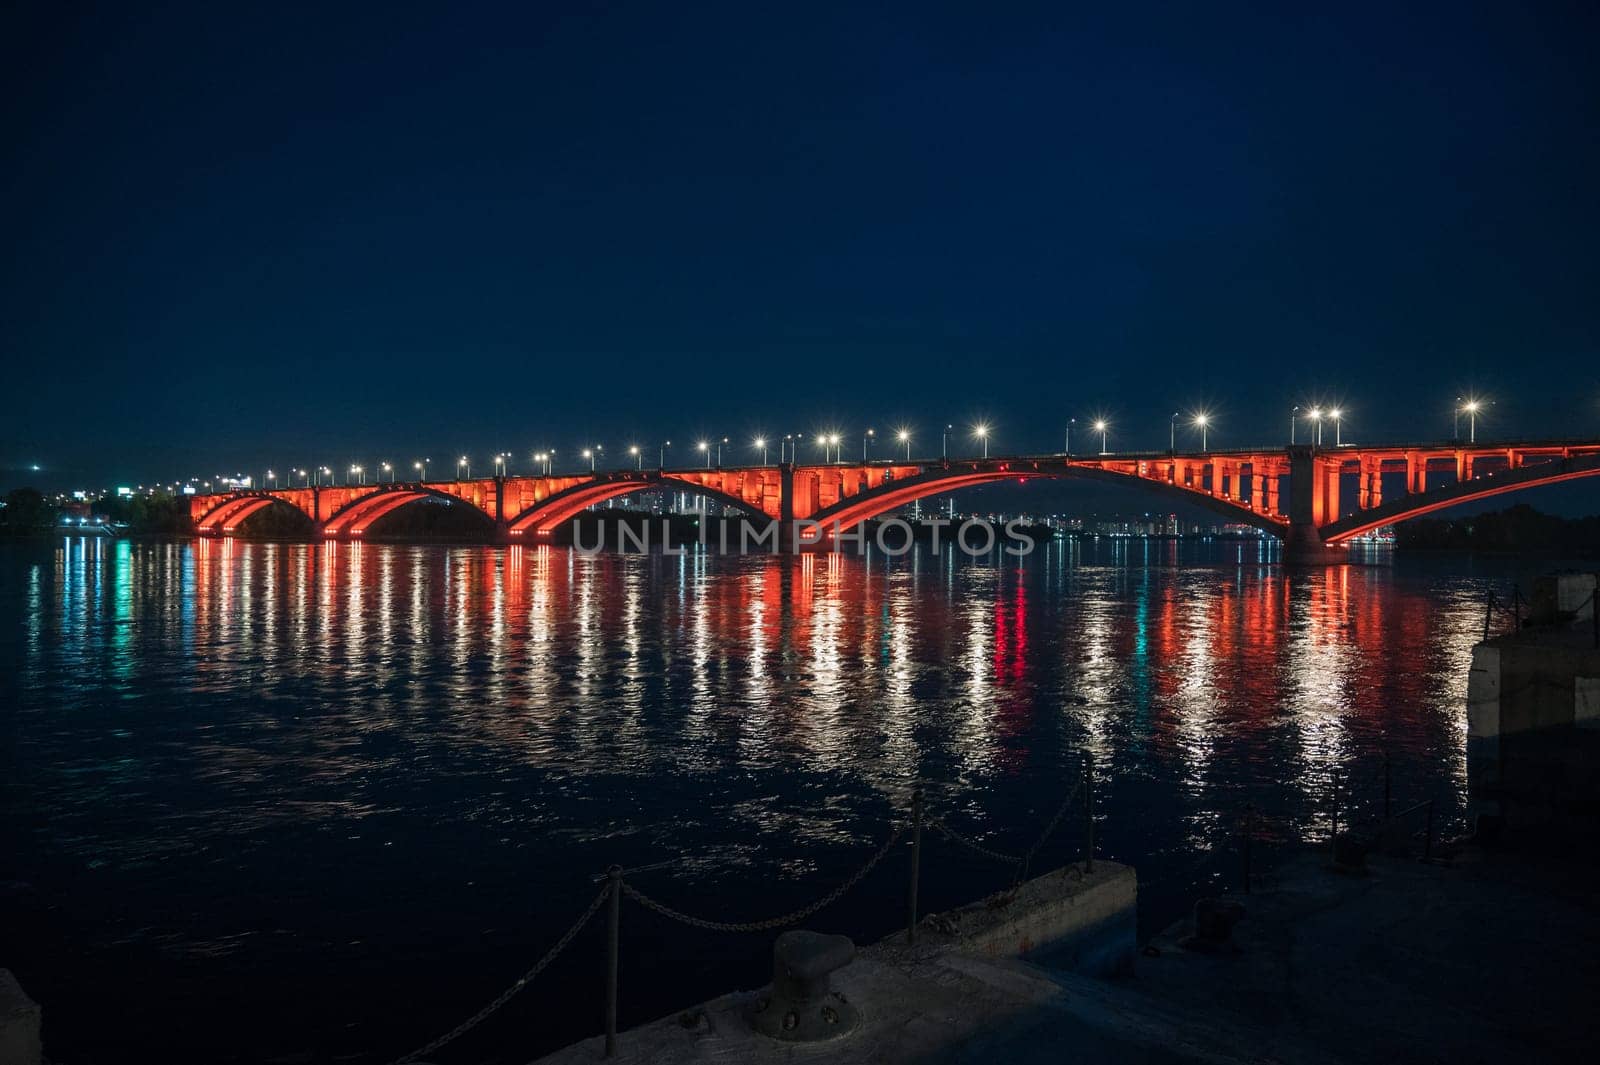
[1314,498]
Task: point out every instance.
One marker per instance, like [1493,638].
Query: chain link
[1050,827]
[977,848]
[772,922]
[522,981]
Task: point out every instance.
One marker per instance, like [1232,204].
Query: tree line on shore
[1520,528]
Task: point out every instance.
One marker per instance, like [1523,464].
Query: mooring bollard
[1088,812]
[916,862]
[613,935]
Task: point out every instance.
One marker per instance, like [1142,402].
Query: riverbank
[1479,955]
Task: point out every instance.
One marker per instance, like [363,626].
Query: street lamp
[638,459]
[705,449]
[328,474]
[273,478]
[865,440]
[386,468]
[1315,414]
[422,469]
[1101,426]
[1338,426]
[1472,406]
[721,442]
[462,463]
[1204,422]
[499,465]
[1068,441]
[981,431]
[833,442]
[944,442]
[1172,432]
[904,436]
[661,454]
[360,474]
[761,442]
[1293,411]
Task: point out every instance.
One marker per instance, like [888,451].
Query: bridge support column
[1308,500]
[1416,473]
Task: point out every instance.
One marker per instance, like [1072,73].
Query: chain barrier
[977,848]
[772,922]
[1049,828]
[509,993]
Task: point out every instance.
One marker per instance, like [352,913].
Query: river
[287,802]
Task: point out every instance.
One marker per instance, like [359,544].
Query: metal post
[1334,836]
[916,862]
[1249,831]
[612,935]
[1088,812]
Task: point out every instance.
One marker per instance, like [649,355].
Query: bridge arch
[939,480]
[541,518]
[358,515]
[228,514]
[1498,482]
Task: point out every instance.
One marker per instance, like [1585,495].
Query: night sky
[322,234]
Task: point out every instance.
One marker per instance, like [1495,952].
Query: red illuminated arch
[229,514]
[895,494]
[356,517]
[542,518]
[1492,484]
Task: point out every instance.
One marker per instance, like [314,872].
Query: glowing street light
[1202,422]
[705,449]
[273,478]
[761,442]
[1338,426]
[500,465]
[1471,406]
[1067,442]
[593,453]
[944,442]
[1315,414]
[388,469]
[1101,425]
[1172,433]
[360,474]
[720,444]
[638,457]
[981,431]
[661,456]
[865,440]
[904,436]
[463,464]
[305,476]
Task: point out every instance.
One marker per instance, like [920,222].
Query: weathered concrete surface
[19,1024]
[1487,960]
[1533,731]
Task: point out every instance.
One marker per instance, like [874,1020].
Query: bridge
[1315,498]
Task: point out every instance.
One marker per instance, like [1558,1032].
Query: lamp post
[327,475]
[388,469]
[499,465]
[463,464]
[1338,426]
[1102,426]
[1204,423]
[422,469]
[1472,407]
[1068,441]
[865,441]
[904,436]
[944,443]
[638,458]
[705,449]
[761,442]
[1293,417]
[661,454]
[1172,432]
[981,431]
[1315,414]
[833,442]
[720,443]
[1455,425]
[273,478]
[361,475]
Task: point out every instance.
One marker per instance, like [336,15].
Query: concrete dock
[1484,957]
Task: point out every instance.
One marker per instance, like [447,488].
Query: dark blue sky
[302,235]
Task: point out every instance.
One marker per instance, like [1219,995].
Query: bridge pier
[1304,546]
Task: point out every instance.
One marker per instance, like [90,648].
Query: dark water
[287,802]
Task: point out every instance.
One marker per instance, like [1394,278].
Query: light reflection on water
[230,762]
